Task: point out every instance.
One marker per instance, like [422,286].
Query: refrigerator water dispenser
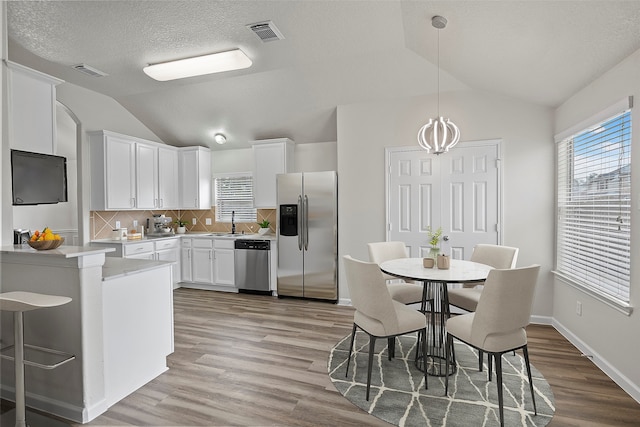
[289,220]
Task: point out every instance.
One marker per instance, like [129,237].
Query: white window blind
[234,194]
[594,207]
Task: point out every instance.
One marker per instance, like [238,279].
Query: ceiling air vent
[266,31]
[83,68]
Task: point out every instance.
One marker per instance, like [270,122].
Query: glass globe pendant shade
[438,135]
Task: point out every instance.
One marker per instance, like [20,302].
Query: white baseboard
[632,389]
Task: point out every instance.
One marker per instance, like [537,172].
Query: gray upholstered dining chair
[376,313]
[496,256]
[401,291]
[498,324]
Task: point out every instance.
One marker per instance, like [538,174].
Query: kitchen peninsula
[119,326]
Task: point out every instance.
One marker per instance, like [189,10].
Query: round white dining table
[435,302]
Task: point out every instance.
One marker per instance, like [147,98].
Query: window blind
[234,194]
[594,207]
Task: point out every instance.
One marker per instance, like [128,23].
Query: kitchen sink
[223,234]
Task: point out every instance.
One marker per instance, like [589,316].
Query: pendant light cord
[438,73]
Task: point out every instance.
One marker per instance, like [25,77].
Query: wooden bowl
[44,245]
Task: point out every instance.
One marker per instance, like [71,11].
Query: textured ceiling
[334,52]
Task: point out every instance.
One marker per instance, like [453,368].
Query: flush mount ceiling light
[220,138]
[439,134]
[199,65]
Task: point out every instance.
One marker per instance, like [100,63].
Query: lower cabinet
[208,264]
[155,250]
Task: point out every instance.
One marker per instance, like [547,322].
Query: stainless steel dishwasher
[252,265]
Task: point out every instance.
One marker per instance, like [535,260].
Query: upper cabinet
[271,157]
[31,97]
[195,177]
[132,173]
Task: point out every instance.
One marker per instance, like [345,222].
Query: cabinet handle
[160,202]
[133,202]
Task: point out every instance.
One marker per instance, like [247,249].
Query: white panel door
[458,191]
[413,195]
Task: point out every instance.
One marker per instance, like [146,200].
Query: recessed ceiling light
[220,138]
[199,65]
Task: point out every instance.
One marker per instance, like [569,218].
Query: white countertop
[62,251]
[205,235]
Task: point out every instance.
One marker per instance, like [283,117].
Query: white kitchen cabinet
[31,102]
[185,260]
[146,176]
[195,174]
[224,262]
[202,261]
[169,250]
[271,157]
[168,178]
[113,169]
[132,173]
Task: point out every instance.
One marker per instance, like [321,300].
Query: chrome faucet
[233,222]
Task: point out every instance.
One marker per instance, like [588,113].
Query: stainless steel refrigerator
[308,235]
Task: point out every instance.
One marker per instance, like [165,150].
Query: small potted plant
[264,227]
[181,228]
[434,240]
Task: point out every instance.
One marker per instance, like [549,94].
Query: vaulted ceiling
[334,52]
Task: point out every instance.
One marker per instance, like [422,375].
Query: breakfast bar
[119,325]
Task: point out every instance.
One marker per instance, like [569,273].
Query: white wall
[60,216]
[364,130]
[610,336]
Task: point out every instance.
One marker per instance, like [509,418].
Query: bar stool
[18,302]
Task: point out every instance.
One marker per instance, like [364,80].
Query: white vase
[181,230]
[262,231]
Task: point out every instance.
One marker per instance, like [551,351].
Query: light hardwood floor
[250,360]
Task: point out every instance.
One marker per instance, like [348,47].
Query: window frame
[244,213]
[594,288]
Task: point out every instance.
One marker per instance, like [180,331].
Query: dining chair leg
[372,344]
[424,357]
[480,360]
[391,346]
[447,352]
[353,336]
[498,357]
[525,351]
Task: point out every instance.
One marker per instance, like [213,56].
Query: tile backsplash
[103,222]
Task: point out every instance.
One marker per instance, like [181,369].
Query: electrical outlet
[207,221]
[193,221]
[135,223]
[117,224]
[579,308]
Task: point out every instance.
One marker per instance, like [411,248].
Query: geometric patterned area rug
[398,395]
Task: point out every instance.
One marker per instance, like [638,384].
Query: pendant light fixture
[439,134]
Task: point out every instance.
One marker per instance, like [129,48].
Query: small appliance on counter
[159,225]
[21,236]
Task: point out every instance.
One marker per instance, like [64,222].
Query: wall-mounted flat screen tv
[38,178]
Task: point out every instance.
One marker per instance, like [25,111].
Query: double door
[458,191]
[208,262]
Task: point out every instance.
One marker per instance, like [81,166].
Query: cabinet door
[202,265]
[189,179]
[224,268]
[120,173]
[195,178]
[146,176]
[168,179]
[270,159]
[185,265]
[171,255]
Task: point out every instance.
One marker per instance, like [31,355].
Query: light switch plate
[207,221]
[117,224]
[193,221]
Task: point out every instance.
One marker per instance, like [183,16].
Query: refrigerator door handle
[306,223]
[300,222]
